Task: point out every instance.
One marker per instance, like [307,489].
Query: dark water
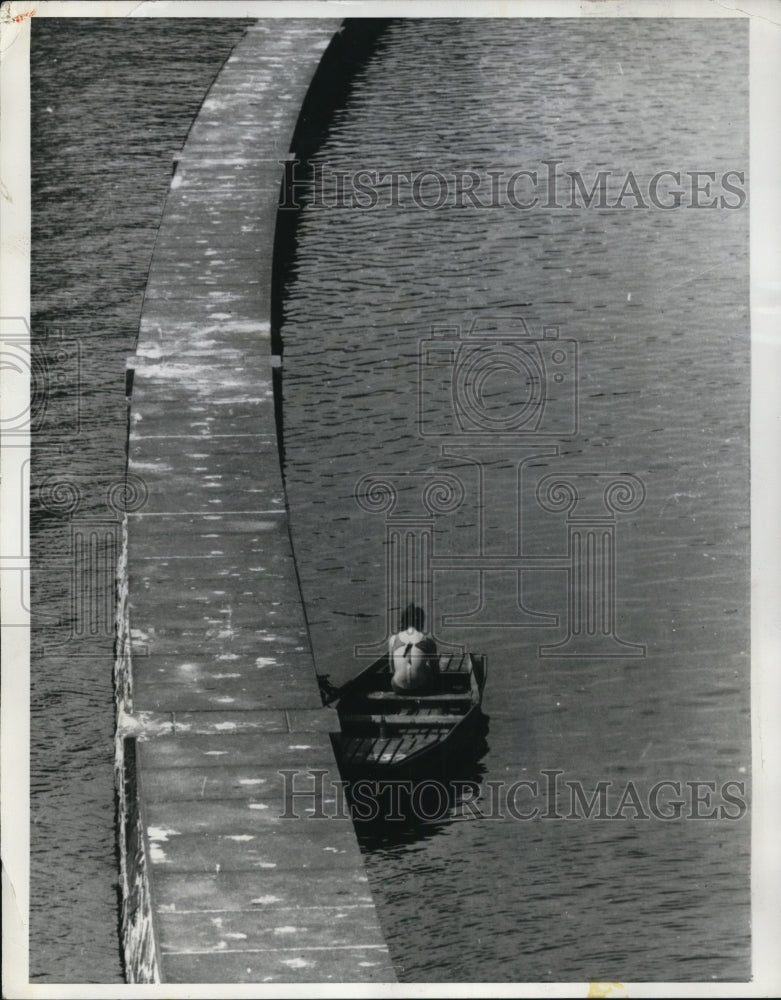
[657,301]
[112,100]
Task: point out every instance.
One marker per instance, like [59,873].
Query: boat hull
[389,736]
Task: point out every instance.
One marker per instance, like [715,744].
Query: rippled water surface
[657,302]
[111,103]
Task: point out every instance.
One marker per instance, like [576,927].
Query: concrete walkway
[224,692]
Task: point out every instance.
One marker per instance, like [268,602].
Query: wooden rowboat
[389,735]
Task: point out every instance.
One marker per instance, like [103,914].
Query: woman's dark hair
[412,616]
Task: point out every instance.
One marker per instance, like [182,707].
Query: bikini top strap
[424,645]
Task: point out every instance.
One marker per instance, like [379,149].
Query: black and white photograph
[390,547]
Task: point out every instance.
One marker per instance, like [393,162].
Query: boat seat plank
[406,720]
[403,698]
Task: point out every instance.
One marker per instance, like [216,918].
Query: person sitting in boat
[413,655]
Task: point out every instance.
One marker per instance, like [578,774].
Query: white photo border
[765,292]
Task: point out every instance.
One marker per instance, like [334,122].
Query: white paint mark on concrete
[149,350]
[296,963]
[158,466]
[161,833]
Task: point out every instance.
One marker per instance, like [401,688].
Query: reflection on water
[657,303]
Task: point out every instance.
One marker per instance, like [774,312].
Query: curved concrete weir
[215,681]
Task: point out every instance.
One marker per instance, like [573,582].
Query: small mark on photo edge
[21,17]
[602,991]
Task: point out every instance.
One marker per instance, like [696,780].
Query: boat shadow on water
[389,812]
